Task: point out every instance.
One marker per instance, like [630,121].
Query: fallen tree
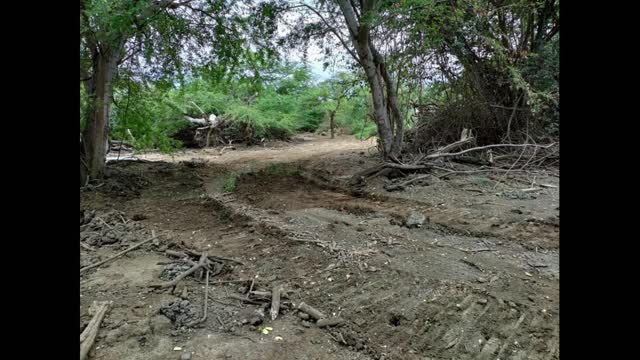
[439,159]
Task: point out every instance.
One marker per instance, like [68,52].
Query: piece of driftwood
[88,336]
[314,313]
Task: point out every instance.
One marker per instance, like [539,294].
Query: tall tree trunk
[99,92]
[373,66]
[332,125]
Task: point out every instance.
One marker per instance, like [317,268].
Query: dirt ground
[479,279]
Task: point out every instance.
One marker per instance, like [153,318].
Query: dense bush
[289,102]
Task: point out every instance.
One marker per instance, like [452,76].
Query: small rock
[531,298]
[186,355]
[305,324]
[415,219]
[160,324]
[482,301]
[185,293]
[141,329]
[303,316]
[113,336]
[138,217]
[360,321]
[251,316]
[481,280]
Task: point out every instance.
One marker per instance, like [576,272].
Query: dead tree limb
[117,255]
[200,265]
[439,155]
[90,333]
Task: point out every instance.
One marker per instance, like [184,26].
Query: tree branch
[331,28]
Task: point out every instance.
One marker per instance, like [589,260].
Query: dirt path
[302,147]
[456,287]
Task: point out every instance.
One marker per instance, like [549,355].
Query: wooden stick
[243,299]
[201,264]
[204,311]
[253,281]
[314,313]
[214,257]
[230,281]
[221,302]
[117,255]
[329,322]
[88,336]
[275,301]
[268,294]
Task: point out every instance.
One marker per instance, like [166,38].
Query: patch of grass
[231,183]
[273,169]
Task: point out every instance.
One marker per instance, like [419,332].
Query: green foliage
[145,116]
[231,183]
[286,102]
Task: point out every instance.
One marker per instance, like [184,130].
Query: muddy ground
[477,279]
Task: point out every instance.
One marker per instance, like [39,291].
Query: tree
[361,22]
[339,89]
[147,37]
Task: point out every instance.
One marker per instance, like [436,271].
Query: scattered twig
[214,257]
[537,265]
[204,307]
[244,299]
[229,281]
[220,321]
[472,264]
[476,250]
[104,222]
[87,247]
[117,255]
[253,281]
[532,189]
[221,302]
